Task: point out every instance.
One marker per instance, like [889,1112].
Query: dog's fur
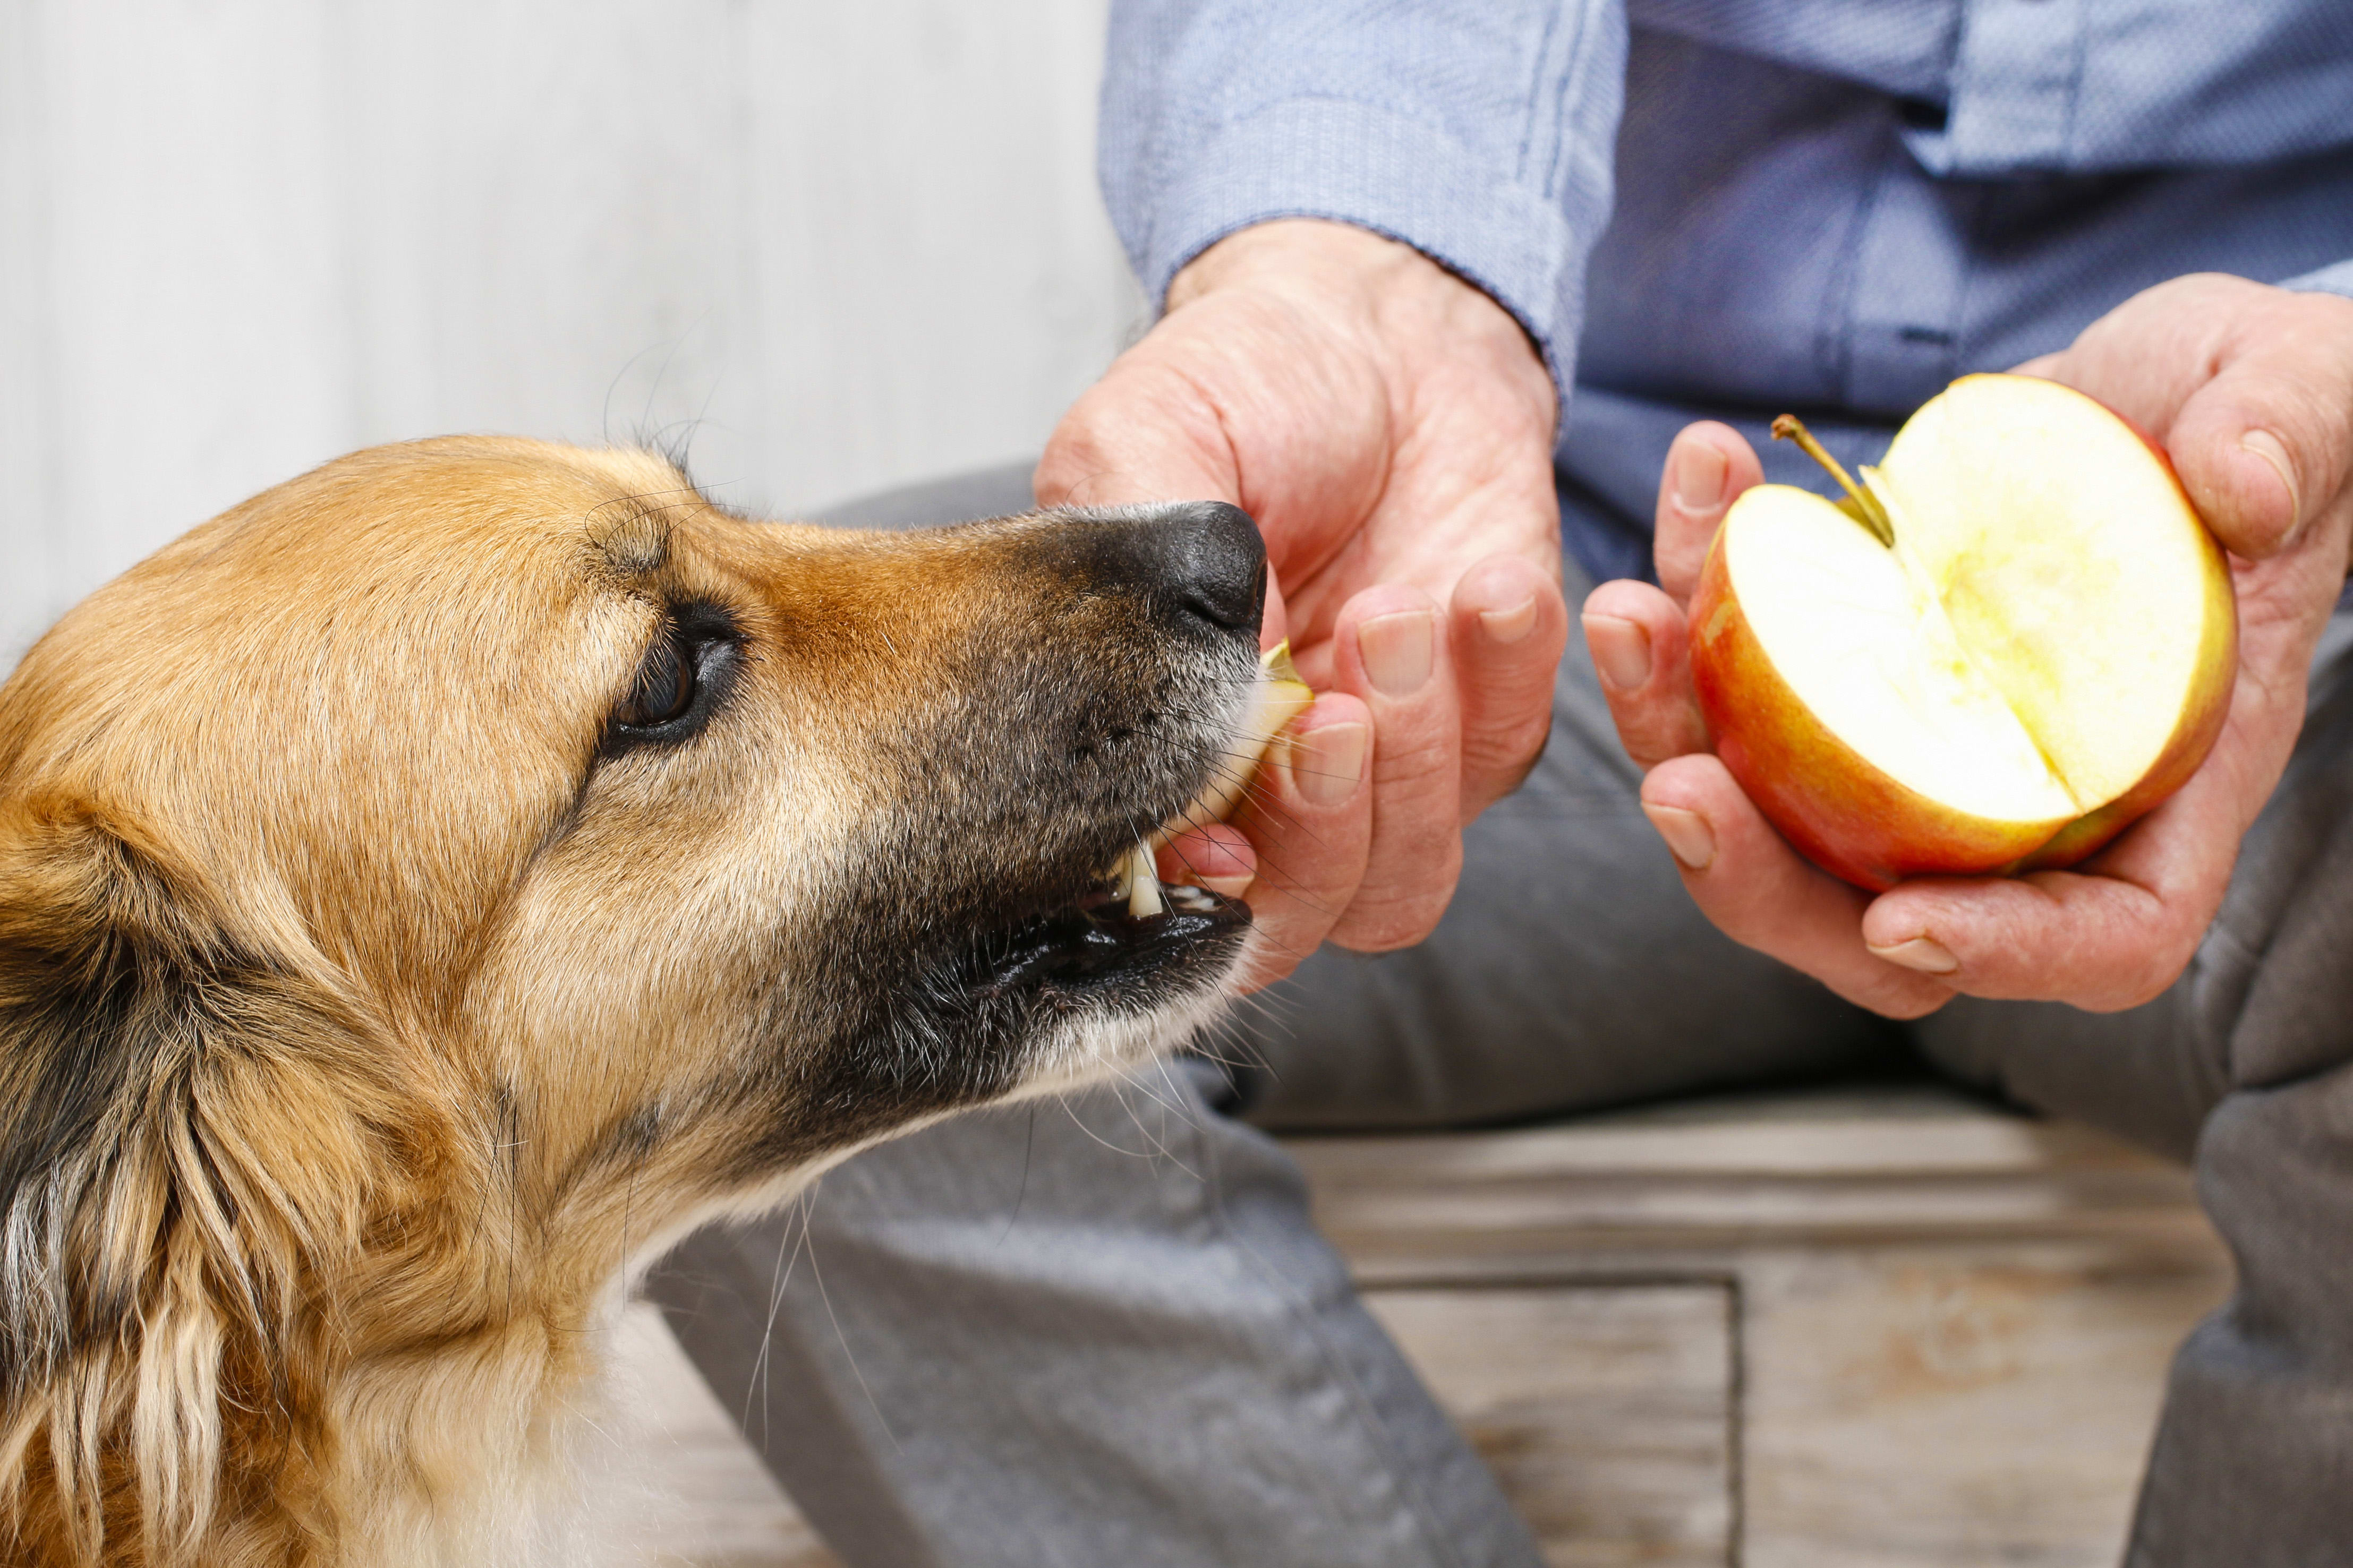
[381,978]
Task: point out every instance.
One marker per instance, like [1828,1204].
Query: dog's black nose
[1211,555]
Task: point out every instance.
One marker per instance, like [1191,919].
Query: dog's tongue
[1277,699]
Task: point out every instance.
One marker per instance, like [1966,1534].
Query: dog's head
[475,861]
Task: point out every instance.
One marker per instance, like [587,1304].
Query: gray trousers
[1100,1332]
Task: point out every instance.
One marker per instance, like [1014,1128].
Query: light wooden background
[847,246]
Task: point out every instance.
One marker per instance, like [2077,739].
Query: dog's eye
[664,690]
[683,681]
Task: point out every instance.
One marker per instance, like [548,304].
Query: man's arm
[1480,133]
[1368,226]
[2337,279]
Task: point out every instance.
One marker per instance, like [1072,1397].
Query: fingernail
[1621,650]
[2267,447]
[1689,838]
[1398,649]
[1508,627]
[1700,473]
[1226,887]
[1329,763]
[1927,957]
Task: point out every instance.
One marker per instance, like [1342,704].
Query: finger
[2266,443]
[1756,889]
[1216,856]
[1391,650]
[1508,627]
[2097,943]
[1309,821]
[1642,651]
[1707,468]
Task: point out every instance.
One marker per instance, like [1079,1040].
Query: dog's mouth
[1127,923]
[1103,940]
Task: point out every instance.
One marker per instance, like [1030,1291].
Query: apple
[2009,640]
[1278,697]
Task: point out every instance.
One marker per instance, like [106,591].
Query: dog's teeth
[1274,701]
[1143,885]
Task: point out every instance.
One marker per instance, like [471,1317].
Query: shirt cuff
[1379,170]
[2337,279]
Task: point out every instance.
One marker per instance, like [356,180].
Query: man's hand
[2250,391]
[1390,428]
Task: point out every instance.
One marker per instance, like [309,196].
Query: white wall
[852,243]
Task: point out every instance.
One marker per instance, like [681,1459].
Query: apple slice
[2007,642]
[1278,698]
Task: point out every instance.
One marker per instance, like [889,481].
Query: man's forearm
[1221,114]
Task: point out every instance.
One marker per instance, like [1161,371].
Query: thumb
[2266,443]
[1143,432]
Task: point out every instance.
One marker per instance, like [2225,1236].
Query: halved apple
[2011,639]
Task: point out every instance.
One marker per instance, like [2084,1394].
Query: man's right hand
[1390,428]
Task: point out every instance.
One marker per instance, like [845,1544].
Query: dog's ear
[187,1126]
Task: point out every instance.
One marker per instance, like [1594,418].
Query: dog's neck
[414,1389]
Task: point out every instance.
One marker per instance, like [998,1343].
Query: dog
[432,888]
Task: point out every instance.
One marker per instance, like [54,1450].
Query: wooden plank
[1698,1189]
[1955,1322]
[1920,1410]
[1605,1412]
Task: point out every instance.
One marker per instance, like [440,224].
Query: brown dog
[433,887]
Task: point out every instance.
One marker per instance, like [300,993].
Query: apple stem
[1789,428]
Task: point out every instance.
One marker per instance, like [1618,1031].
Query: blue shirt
[1726,208]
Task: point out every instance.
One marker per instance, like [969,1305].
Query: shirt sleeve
[1479,131]
[2337,279]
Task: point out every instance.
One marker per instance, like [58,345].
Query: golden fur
[378,988]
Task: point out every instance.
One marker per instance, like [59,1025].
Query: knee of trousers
[2253,1457]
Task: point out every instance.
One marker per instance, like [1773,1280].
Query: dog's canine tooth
[1143,886]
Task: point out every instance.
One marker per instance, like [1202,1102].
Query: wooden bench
[1880,1327]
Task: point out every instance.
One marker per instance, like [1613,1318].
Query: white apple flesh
[2042,651]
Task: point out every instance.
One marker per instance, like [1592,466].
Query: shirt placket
[2011,111]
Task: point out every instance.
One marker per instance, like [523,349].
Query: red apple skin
[1838,809]
[1848,818]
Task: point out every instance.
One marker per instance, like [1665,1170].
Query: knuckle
[1383,919]
[1385,931]
[1415,761]
[1506,757]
